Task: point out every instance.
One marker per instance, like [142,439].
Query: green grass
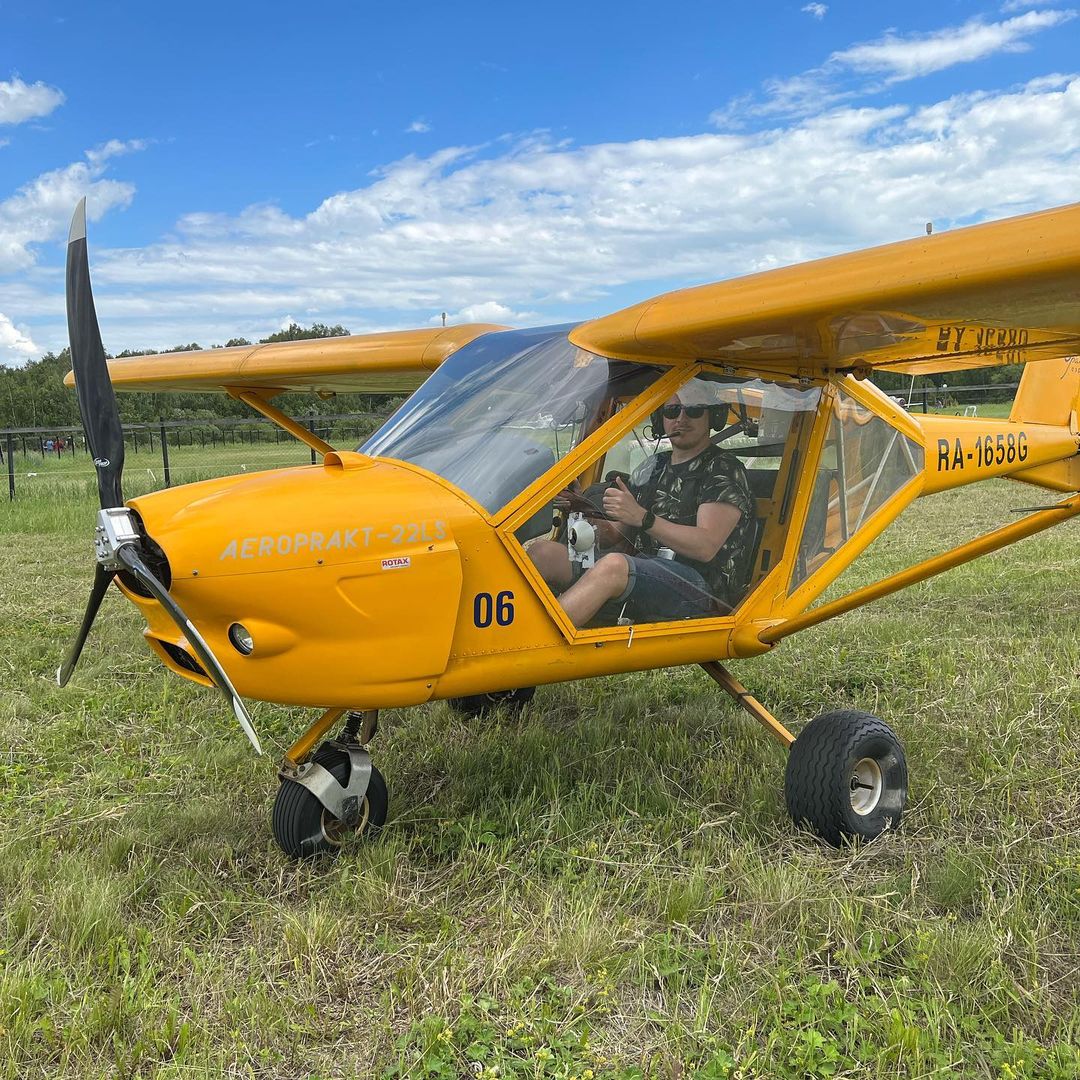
[41,475]
[606,886]
[993,410]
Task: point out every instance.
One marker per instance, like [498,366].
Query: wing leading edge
[1003,292]
[394,362]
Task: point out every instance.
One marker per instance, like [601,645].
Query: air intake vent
[182,659]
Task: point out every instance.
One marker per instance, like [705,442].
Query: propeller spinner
[117,540]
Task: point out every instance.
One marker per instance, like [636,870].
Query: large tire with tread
[846,777]
[481,704]
[304,828]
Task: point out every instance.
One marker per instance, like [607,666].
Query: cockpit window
[686,513]
[503,409]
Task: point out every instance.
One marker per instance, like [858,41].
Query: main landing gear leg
[846,774]
[745,700]
[326,795]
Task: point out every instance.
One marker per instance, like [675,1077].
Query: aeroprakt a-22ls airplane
[403,571]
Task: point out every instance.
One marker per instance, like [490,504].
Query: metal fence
[55,461]
[957,399]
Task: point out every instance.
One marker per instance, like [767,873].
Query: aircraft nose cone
[348,580]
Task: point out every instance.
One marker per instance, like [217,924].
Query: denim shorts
[663,590]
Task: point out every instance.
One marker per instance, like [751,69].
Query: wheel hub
[865,786]
[334,830]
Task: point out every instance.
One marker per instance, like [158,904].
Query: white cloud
[41,209]
[907,57]
[15,344]
[1009,6]
[418,127]
[871,66]
[489,311]
[113,148]
[817,10]
[20,101]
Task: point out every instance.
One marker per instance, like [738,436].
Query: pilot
[687,515]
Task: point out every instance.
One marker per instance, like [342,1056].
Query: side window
[863,463]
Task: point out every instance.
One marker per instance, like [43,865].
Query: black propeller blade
[102,579]
[97,407]
[97,401]
[116,538]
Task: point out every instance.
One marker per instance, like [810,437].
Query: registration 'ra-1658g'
[988,450]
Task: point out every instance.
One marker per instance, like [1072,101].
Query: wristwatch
[648,521]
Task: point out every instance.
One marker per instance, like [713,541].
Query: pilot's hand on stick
[620,505]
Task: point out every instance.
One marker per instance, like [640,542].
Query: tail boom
[961,450]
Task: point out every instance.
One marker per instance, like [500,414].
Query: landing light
[242,641]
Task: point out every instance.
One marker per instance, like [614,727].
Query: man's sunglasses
[671,412]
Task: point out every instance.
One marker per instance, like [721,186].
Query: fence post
[164,452]
[311,424]
[10,465]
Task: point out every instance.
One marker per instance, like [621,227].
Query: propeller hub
[115,528]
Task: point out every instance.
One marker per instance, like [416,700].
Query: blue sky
[376,165]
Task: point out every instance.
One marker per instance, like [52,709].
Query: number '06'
[501,609]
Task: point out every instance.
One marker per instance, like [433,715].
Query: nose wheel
[336,793]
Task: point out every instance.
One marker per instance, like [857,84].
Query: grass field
[605,886]
[40,476]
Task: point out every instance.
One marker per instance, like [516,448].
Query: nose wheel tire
[480,704]
[846,777]
[304,828]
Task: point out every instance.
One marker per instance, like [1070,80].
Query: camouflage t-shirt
[675,492]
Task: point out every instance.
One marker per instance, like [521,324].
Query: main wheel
[846,777]
[481,704]
[304,828]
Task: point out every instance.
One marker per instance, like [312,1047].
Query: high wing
[395,362]
[1004,292]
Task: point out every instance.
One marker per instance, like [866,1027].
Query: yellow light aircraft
[410,569]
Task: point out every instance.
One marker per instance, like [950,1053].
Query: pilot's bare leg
[606,580]
[552,561]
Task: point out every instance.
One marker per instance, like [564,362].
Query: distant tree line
[35,395]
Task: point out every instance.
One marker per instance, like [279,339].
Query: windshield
[502,410]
